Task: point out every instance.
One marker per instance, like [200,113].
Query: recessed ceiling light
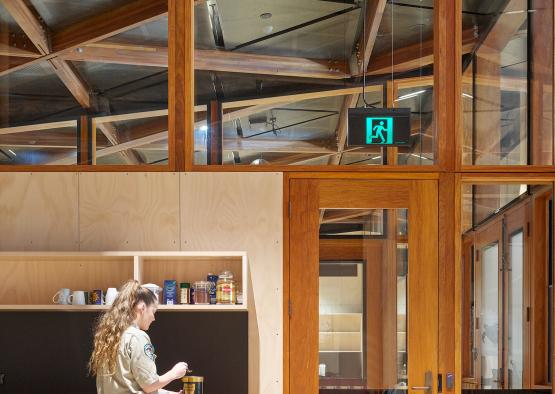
[266,15]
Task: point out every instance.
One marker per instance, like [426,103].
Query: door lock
[428,381]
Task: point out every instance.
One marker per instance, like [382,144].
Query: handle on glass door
[428,381]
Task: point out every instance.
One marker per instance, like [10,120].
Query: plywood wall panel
[243,211]
[38,211]
[129,211]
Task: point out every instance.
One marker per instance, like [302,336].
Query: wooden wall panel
[129,211]
[39,211]
[243,211]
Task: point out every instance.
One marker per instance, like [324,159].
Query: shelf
[202,308]
[92,308]
[338,332]
[340,341]
[340,322]
[339,351]
[32,278]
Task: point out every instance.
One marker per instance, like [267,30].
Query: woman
[123,357]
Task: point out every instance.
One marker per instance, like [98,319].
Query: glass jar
[226,289]
[202,292]
[184,289]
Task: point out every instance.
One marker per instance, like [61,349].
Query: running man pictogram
[379,130]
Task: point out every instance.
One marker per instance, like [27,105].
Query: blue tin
[214,280]
[170,292]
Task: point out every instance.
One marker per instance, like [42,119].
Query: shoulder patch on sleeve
[149,351]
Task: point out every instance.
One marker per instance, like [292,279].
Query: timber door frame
[420,196]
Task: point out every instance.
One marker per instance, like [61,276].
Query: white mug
[111,295]
[154,288]
[78,297]
[63,297]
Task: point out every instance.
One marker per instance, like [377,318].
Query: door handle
[428,381]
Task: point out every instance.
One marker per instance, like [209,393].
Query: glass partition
[77,70]
[516,313]
[277,79]
[489,317]
[507,86]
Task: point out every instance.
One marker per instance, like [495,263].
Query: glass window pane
[507,87]
[516,310]
[489,317]
[420,100]
[258,63]
[120,72]
[363,301]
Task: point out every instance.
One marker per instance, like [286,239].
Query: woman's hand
[179,370]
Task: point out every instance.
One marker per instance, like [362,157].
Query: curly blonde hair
[113,323]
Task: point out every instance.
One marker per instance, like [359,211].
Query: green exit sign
[379,131]
[379,127]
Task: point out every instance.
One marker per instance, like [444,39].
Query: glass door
[363,286]
[502,286]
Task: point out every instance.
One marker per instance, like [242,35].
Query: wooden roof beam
[414,56]
[109,23]
[7,50]
[29,23]
[109,130]
[225,61]
[211,60]
[99,27]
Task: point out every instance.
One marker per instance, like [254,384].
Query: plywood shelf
[32,278]
[92,308]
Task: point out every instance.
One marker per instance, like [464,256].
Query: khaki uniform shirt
[135,365]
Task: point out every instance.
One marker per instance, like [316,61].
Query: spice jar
[226,288]
[184,290]
[202,292]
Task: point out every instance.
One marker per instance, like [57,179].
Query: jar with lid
[226,288]
[202,292]
[184,290]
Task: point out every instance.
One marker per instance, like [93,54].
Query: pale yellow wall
[243,211]
[129,211]
[163,211]
[38,211]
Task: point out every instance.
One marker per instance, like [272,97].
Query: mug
[154,288]
[63,297]
[78,297]
[111,295]
[96,297]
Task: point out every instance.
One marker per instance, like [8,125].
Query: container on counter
[226,289]
[192,384]
[184,293]
[214,280]
[170,292]
[202,292]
